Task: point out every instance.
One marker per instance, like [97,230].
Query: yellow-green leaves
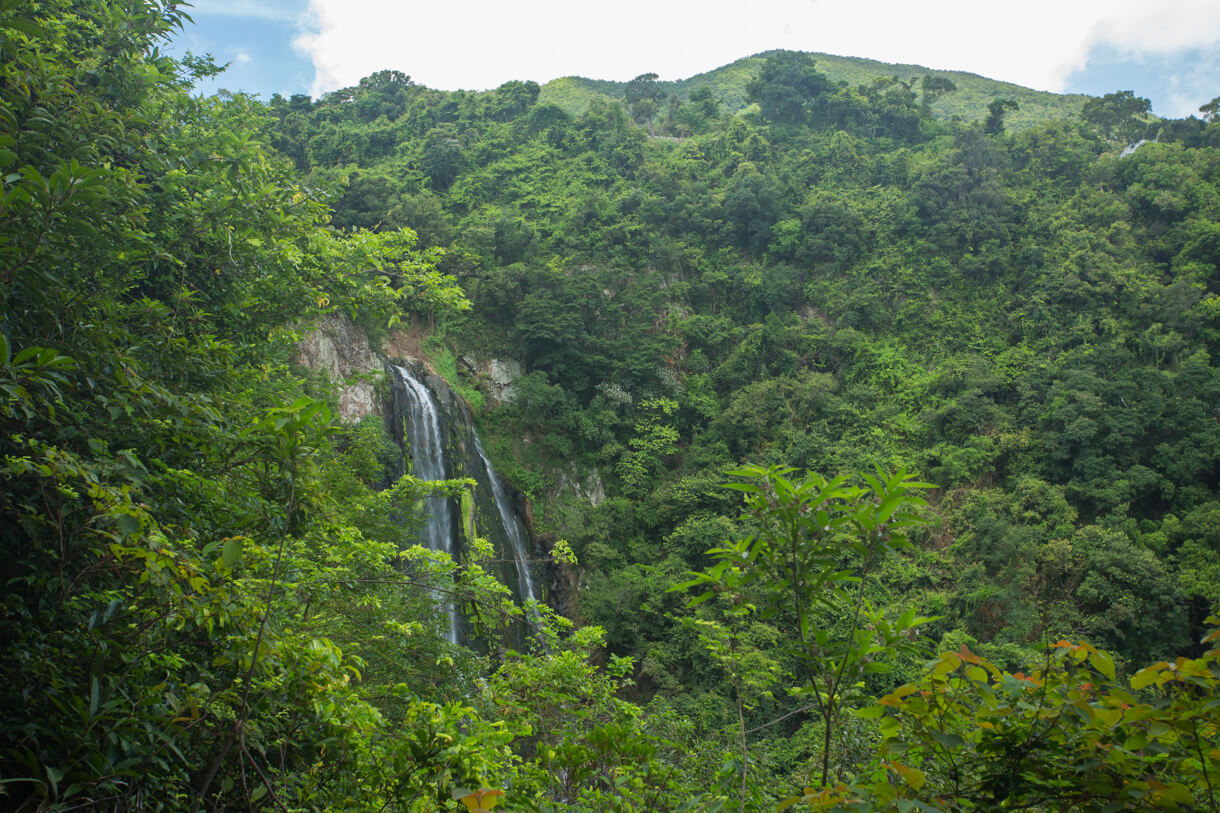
[1066,733]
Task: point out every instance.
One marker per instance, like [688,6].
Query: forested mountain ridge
[728,84]
[213,599]
[832,280]
[835,280]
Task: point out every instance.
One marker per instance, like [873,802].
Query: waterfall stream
[427,446]
[424,423]
[514,530]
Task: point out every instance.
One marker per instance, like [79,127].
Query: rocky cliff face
[498,375]
[338,347]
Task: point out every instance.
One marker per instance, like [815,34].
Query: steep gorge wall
[338,347]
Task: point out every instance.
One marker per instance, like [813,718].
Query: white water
[514,531]
[428,463]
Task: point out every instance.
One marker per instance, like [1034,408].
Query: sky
[1165,50]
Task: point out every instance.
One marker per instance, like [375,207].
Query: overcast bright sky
[1165,50]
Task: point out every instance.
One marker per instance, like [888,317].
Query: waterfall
[427,427]
[513,528]
[423,426]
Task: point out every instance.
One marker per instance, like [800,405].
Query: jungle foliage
[212,599]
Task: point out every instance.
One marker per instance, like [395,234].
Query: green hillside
[728,83]
[869,460]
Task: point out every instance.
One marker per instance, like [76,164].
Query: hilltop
[728,84]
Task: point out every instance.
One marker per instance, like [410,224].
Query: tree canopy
[213,599]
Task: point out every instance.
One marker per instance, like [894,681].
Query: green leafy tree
[1211,110]
[1067,735]
[587,747]
[1119,115]
[384,94]
[807,563]
[172,562]
[512,100]
[788,88]
[643,97]
[934,87]
[444,157]
[995,115]
[655,439]
[738,645]
[701,109]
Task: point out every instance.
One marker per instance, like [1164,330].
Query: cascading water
[428,463]
[428,427]
[513,528]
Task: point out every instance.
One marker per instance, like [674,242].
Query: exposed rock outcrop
[587,487]
[338,347]
[497,375]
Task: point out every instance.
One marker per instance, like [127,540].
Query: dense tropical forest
[866,429]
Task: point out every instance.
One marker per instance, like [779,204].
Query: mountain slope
[728,83]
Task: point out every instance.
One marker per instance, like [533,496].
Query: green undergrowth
[445,363]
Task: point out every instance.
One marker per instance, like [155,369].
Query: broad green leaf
[912,776]
[1148,675]
[128,524]
[231,551]
[1103,663]
[1177,792]
[946,663]
[948,739]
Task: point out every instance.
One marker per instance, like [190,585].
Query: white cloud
[1162,27]
[1181,105]
[478,44]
